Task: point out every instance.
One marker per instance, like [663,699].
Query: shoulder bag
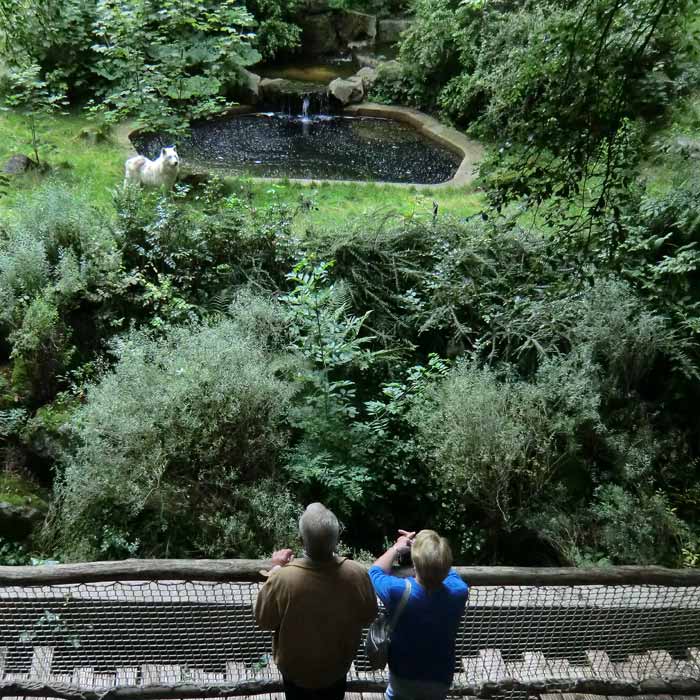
[379,633]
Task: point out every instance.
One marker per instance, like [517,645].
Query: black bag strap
[402,604]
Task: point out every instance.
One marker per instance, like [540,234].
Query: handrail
[248,570]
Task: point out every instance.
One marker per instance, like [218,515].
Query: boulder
[389,30]
[368,76]
[248,89]
[318,35]
[347,90]
[366,59]
[313,7]
[18,164]
[275,89]
[686,146]
[18,522]
[356,27]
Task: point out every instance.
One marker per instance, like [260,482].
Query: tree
[168,62]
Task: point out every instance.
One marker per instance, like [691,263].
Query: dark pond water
[320,147]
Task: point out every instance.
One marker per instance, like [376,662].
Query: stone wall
[328,31]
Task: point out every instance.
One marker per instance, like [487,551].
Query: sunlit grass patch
[326,205]
[91,168]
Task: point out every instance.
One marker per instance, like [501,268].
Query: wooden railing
[184,629]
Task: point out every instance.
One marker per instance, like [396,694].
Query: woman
[422,652]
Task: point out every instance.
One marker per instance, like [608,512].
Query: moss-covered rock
[23,507]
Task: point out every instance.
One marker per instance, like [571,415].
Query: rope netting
[199,638]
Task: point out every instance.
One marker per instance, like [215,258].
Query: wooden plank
[471,664]
[149,674]
[104,680]
[40,669]
[493,668]
[16,677]
[60,679]
[235,671]
[82,676]
[360,675]
[535,666]
[560,668]
[169,674]
[600,664]
[664,664]
[581,672]
[694,659]
[126,676]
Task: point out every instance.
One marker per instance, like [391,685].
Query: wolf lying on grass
[153,173]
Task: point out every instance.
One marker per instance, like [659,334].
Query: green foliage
[556,85]
[33,97]
[56,255]
[166,62]
[167,439]
[276,30]
[13,553]
[374,7]
[506,438]
[329,339]
[53,36]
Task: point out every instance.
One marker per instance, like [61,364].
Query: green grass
[18,491]
[326,205]
[94,170]
[667,167]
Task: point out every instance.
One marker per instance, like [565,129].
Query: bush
[496,442]
[167,440]
[58,255]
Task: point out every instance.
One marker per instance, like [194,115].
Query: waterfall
[305,107]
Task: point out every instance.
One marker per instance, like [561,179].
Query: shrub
[166,63]
[169,437]
[497,442]
[55,36]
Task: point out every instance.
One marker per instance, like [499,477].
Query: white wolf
[153,173]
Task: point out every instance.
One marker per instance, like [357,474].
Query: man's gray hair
[319,530]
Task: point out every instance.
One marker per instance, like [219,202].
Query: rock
[248,89]
[389,30]
[313,7]
[18,164]
[347,91]
[273,89]
[687,146]
[368,76]
[18,522]
[318,35]
[356,27]
[366,59]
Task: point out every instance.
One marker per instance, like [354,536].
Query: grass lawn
[325,205]
[669,166]
[96,169]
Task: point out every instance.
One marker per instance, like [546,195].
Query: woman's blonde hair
[432,558]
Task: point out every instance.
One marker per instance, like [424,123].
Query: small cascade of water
[305,107]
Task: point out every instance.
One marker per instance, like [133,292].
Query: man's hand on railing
[282,557]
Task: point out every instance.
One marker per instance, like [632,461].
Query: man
[317,607]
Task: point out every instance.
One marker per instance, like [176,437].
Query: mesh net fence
[100,636]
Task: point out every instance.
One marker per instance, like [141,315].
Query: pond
[318,147]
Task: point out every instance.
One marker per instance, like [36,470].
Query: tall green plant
[167,62]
